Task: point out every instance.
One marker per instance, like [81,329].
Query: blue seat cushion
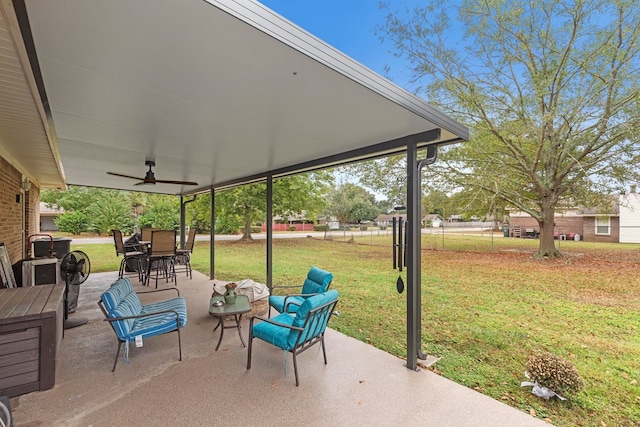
[274,334]
[178,304]
[286,338]
[116,293]
[317,281]
[153,325]
[314,327]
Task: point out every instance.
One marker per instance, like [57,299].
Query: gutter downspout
[413,252]
[183,211]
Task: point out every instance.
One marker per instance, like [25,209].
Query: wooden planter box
[31,327]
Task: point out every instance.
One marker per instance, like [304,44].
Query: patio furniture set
[155,251]
[300,325]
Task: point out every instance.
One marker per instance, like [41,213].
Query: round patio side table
[237,309]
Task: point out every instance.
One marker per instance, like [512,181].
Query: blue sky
[349,26]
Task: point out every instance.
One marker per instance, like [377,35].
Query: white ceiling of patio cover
[212,91]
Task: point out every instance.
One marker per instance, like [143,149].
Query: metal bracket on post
[432,156]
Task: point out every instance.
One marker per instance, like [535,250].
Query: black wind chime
[399,252]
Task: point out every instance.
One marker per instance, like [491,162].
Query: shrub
[554,373]
[72,222]
[292,228]
[320,227]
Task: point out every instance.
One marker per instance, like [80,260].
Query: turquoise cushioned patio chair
[317,281]
[296,332]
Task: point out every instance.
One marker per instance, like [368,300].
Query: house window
[603,225]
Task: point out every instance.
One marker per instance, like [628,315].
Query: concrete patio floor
[360,385]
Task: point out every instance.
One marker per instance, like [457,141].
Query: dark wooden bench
[31,327]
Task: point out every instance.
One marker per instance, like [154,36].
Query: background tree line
[312,196]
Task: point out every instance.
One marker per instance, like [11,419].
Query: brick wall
[590,231]
[11,210]
[569,224]
[584,226]
[563,224]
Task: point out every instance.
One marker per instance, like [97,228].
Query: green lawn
[486,305]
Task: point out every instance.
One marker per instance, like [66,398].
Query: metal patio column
[269,231]
[212,221]
[413,258]
[414,252]
[182,221]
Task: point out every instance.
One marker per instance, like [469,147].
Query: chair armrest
[264,319]
[285,304]
[139,316]
[159,290]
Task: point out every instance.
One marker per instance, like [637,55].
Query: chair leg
[250,344]
[122,267]
[295,367]
[179,341]
[117,354]
[172,263]
[324,353]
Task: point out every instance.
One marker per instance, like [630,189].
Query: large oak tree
[549,89]
[292,195]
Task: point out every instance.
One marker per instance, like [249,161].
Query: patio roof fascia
[384,149]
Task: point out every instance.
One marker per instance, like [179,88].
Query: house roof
[215,92]
[431,217]
[50,211]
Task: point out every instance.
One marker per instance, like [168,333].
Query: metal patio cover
[213,91]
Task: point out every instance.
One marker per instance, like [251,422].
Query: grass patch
[485,308]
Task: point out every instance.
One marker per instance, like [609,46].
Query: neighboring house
[630,217]
[432,220]
[385,220]
[297,221]
[591,225]
[48,217]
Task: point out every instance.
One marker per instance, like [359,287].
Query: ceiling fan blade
[124,176]
[150,178]
[163,181]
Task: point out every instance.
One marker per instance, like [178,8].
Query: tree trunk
[246,234]
[547,247]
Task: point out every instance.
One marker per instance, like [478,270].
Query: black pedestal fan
[75,266]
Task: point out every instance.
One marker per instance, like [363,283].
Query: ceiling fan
[150,177]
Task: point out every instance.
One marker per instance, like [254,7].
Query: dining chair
[145,233]
[161,255]
[183,256]
[129,253]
